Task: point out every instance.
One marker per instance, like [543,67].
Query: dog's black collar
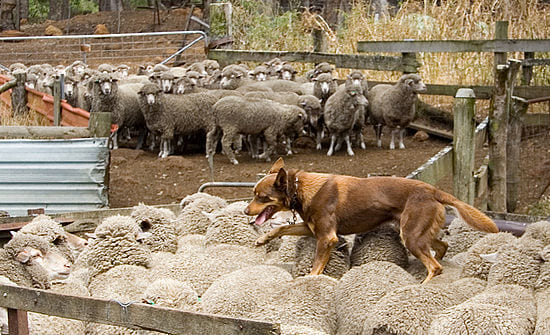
[294,202]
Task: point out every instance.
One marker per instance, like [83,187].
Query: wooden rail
[380,63]
[520,45]
[131,315]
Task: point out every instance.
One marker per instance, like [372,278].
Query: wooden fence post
[527,70]
[464,145]
[18,322]
[319,40]
[513,151]
[100,124]
[19,95]
[498,133]
[57,102]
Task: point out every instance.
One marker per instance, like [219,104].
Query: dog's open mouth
[265,215]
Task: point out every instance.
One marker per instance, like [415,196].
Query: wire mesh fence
[135,48]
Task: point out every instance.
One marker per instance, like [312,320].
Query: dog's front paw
[261,241]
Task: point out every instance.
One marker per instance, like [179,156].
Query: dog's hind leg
[325,244]
[421,221]
[299,229]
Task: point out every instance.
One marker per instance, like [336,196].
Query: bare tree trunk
[59,10]
[7,19]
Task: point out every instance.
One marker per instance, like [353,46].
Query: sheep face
[150,92]
[69,89]
[356,77]
[414,83]
[231,80]
[324,82]
[56,266]
[259,73]
[166,85]
[194,77]
[355,91]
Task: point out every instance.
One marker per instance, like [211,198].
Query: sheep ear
[91,235]
[26,254]
[280,180]
[278,165]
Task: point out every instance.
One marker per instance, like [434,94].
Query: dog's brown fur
[335,204]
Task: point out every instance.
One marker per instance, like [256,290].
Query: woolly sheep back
[517,263]
[460,236]
[411,309]
[381,244]
[172,293]
[238,293]
[159,222]
[123,282]
[205,201]
[475,266]
[304,301]
[231,226]
[360,288]
[338,263]
[538,231]
[501,309]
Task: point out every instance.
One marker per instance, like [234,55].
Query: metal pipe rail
[226,184]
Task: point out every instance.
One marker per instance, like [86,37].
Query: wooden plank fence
[134,315]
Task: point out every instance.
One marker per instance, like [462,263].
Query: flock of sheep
[202,259]
[254,109]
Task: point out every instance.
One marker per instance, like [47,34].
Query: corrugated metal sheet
[57,175]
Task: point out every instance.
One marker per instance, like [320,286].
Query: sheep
[381,244]
[106,68]
[394,106]
[69,245]
[344,110]
[287,98]
[501,309]
[259,73]
[192,218]
[123,102]
[358,78]
[303,301]
[17,67]
[200,267]
[460,236]
[543,281]
[237,294]
[236,116]
[232,226]
[273,66]
[169,115]
[205,201]
[314,114]
[167,82]
[275,85]
[233,77]
[543,312]
[324,86]
[116,242]
[195,78]
[517,263]
[338,263]
[286,72]
[159,222]
[171,293]
[360,288]
[476,262]
[411,309]
[539,231]
[29,260]
[322,68]
[122,71]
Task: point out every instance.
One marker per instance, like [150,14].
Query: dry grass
[419,20]
[31,119]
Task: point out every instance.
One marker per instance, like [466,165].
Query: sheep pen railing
[135,315]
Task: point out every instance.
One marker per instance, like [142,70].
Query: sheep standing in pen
[169,115]
[501,309]
[314,115]
[394,106]
[233,77]
[159,222]
[236,116]
[123,102]
[411,309]
[343,112]
[193,218]
[360,288]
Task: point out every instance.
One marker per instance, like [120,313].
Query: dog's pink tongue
[260,219]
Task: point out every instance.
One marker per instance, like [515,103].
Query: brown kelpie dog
[334,204]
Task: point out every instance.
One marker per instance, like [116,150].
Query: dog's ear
[280,180]
[279,164]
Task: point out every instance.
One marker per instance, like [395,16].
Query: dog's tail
[469,214]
